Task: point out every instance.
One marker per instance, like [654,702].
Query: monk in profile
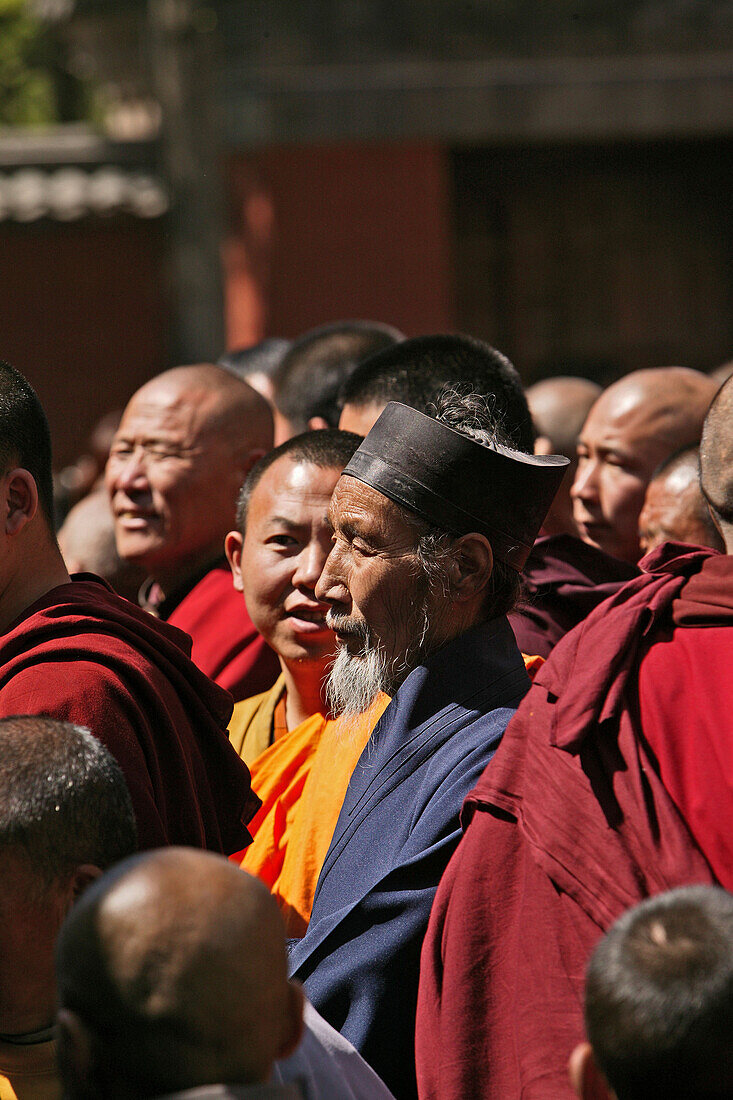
[634,426]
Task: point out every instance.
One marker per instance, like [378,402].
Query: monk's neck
[179,576]
[305,685]
[34,570]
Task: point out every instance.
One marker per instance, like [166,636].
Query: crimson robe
[564,579]
[575,821]
[226,645]
[83,654]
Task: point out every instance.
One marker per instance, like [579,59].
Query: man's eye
[282,540]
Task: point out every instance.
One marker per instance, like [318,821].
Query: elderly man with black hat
[432,520]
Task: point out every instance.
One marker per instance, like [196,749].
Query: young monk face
[376,588]
[281,557]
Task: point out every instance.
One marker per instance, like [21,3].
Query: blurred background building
[552,176]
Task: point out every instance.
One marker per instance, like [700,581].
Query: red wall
[83,316]
[328,233]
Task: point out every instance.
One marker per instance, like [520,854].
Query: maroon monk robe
[569,826]
[83,654]
[226,645]
[564,579]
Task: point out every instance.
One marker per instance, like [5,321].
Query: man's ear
[233,549]
[470,566]
[294,1025]
[21,500]
[585,1076]
[317,424]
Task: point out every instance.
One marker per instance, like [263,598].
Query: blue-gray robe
[397,829]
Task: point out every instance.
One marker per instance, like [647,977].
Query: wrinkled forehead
[353,501]
[164,406]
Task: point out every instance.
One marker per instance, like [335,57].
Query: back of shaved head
[716,460]
[559,407]
[175,964]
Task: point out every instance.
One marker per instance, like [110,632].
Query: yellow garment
[278,777]
[250,727]
[312,826]
[533,664]
[28,1071]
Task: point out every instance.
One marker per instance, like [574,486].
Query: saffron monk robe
[184,445]
[73,650]
[431,525]
[276,556]
[612,783]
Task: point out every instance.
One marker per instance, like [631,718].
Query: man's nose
[585,485]
[309,566]
[127,471]
[331,587]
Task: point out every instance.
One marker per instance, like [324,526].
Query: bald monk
[172,976]
[183,448]
[559,408]
[87,543]
[634,425]
[564,578]
[675,509]
[612,784]
[277,555]
[76,651]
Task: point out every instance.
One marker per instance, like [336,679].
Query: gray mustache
[357,628]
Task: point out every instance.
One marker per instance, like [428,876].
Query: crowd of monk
[365,732]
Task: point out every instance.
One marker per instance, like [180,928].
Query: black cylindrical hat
[457,483]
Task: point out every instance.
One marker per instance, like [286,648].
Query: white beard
[355,681]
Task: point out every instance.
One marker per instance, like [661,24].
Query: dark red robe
[226,645]
[572,823]
[83,654]
[564,579]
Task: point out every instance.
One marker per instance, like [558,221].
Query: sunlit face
[172,479]
[277,565]
[373,579]
[618,450]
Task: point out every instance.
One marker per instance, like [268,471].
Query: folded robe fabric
[226,645]
[564,579]
[569,826]
[83,654]
[396,831]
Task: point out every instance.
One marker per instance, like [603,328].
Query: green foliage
[27,86]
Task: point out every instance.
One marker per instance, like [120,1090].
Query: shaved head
[559,407]
[675,509]
[183,448]
[635,425]
[716,461]
[175,965]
